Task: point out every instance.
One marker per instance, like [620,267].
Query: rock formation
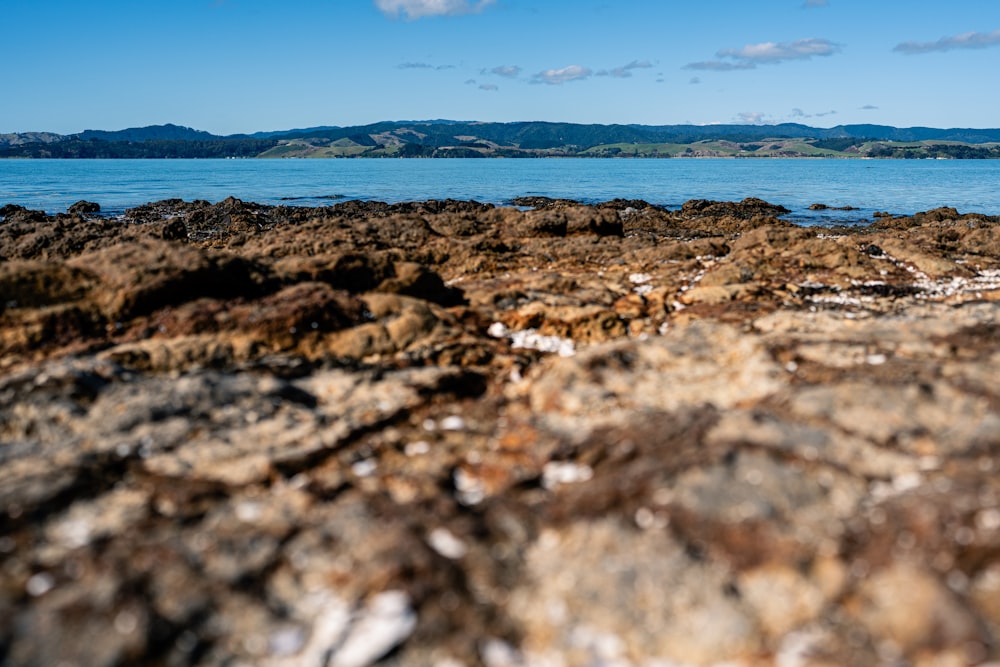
[446,433]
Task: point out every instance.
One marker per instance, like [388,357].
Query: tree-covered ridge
[521,139]
[151,149]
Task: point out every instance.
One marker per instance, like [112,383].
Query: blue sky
[229,66]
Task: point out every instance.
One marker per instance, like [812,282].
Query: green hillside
[436,139]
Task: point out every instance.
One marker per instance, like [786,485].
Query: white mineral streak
[530,339]
[385,622]
[470,489]
[342,637]
[556,473]
[452,423]
[40,584]
[365,467]
[331,621]
[897,486]
[929,288]
[498,653]
[797,647]
[446,544]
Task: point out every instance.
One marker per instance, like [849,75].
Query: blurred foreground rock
[445,434]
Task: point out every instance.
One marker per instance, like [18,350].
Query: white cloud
[869,107]
[695,80]
[489,86]
[776,52]
[508,71]
[753,118]
[554,77]
[416,9]
[766,53]
[968,40]
[625,71]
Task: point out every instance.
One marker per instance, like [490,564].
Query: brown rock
[243,434]
[411,279]
[39,284]
[142,277]
[913,611]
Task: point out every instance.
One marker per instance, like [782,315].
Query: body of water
[896,186]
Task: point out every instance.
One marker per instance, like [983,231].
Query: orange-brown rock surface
[447,433]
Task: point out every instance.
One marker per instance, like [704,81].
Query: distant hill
[282,133]
[888,133]
[446,138]
[167,132]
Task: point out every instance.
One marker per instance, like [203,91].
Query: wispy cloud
[507,71]
[489,86]
[815,3]
[869,107]
[766,53]
[625,71]
[799,113]
[695,80]
[555,77]
[424,66]
[753,118]
[968,40]
[417,9]
[718,66]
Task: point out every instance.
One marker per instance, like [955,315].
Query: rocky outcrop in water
[447,433]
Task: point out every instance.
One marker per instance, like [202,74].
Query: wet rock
[82,207]
[826,207]
[746,209]
[20,214]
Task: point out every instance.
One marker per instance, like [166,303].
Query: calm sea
[897,186]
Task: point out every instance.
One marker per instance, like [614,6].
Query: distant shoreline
[907,153]
[454,139]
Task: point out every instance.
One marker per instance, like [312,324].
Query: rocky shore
[451,434]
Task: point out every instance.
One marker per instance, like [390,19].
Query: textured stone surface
[445,433]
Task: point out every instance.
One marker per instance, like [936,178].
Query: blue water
[897,186]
